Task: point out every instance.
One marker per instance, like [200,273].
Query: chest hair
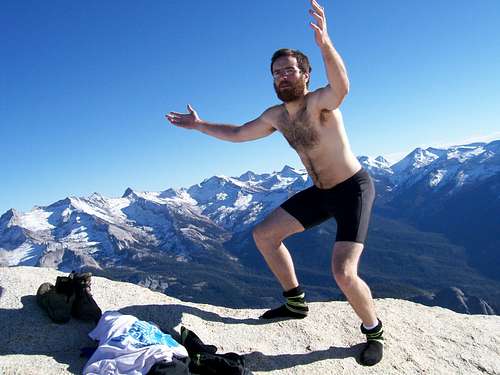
[299,131]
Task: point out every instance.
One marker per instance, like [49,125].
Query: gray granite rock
[418,339]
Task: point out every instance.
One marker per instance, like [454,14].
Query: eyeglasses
[285,72]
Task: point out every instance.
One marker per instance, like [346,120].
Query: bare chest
[302,130]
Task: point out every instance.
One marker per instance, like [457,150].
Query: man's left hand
[320,30]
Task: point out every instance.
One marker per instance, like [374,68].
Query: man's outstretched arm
[331,96]
[255,129]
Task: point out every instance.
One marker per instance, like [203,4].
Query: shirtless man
[312,124]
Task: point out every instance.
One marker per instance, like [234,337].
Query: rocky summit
[418,339]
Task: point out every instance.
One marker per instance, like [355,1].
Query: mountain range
[433,236]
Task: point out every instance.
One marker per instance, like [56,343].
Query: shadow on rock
[30,331]
[258,361]
[169,316]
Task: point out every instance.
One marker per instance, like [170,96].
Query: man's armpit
[325,98]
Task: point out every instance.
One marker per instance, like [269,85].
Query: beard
[291,91]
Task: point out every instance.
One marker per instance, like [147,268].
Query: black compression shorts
[349,202]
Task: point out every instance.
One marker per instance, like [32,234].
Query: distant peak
[171,193]
[12,212]
[418,150]
[287,168]
[248,173]
[247,176]
[288,171]
[378,166]
[62,202]
[9,214]
[96,197]
[216,178]
[379,160]
[127,193]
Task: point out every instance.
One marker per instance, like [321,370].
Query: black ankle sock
[295,292]
[374,348]
[295,306]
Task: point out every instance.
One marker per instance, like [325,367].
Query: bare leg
[345,270]
[268,236]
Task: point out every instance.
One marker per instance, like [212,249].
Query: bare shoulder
[314,97]
[316,108]
[323,99]
[272,114]
[275,110]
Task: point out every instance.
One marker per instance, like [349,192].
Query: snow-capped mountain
[181,221]
[85,231]
[438,169]
[234,203]
[143,230]
[377,166]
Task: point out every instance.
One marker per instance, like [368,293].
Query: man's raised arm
[331,96]
[255,129]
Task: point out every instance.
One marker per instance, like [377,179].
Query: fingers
[315,27]
[172,118]
[318,8]
[318,18]
[177,118]
[182,119]
[318,13]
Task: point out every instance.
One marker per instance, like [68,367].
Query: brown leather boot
[57,305]
[84,307]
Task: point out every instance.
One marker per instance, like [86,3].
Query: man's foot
[282,312]
[294,308]
[84,307]
[373,351]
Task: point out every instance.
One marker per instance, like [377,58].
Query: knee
[344,277]
[263,235]
[257,232]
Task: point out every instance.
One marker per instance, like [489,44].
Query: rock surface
[419,339]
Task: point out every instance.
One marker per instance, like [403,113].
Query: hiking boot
[64,285]
[57,305]
[193,343]
[84,305]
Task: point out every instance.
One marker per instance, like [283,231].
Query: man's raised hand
[188,120]
[320,30]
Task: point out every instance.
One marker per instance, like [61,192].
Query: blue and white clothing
[128,345]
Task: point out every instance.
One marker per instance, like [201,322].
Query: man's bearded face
[288,91]
[289,81]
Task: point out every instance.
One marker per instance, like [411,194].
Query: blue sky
[85,86]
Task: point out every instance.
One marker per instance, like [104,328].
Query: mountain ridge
[207,223]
